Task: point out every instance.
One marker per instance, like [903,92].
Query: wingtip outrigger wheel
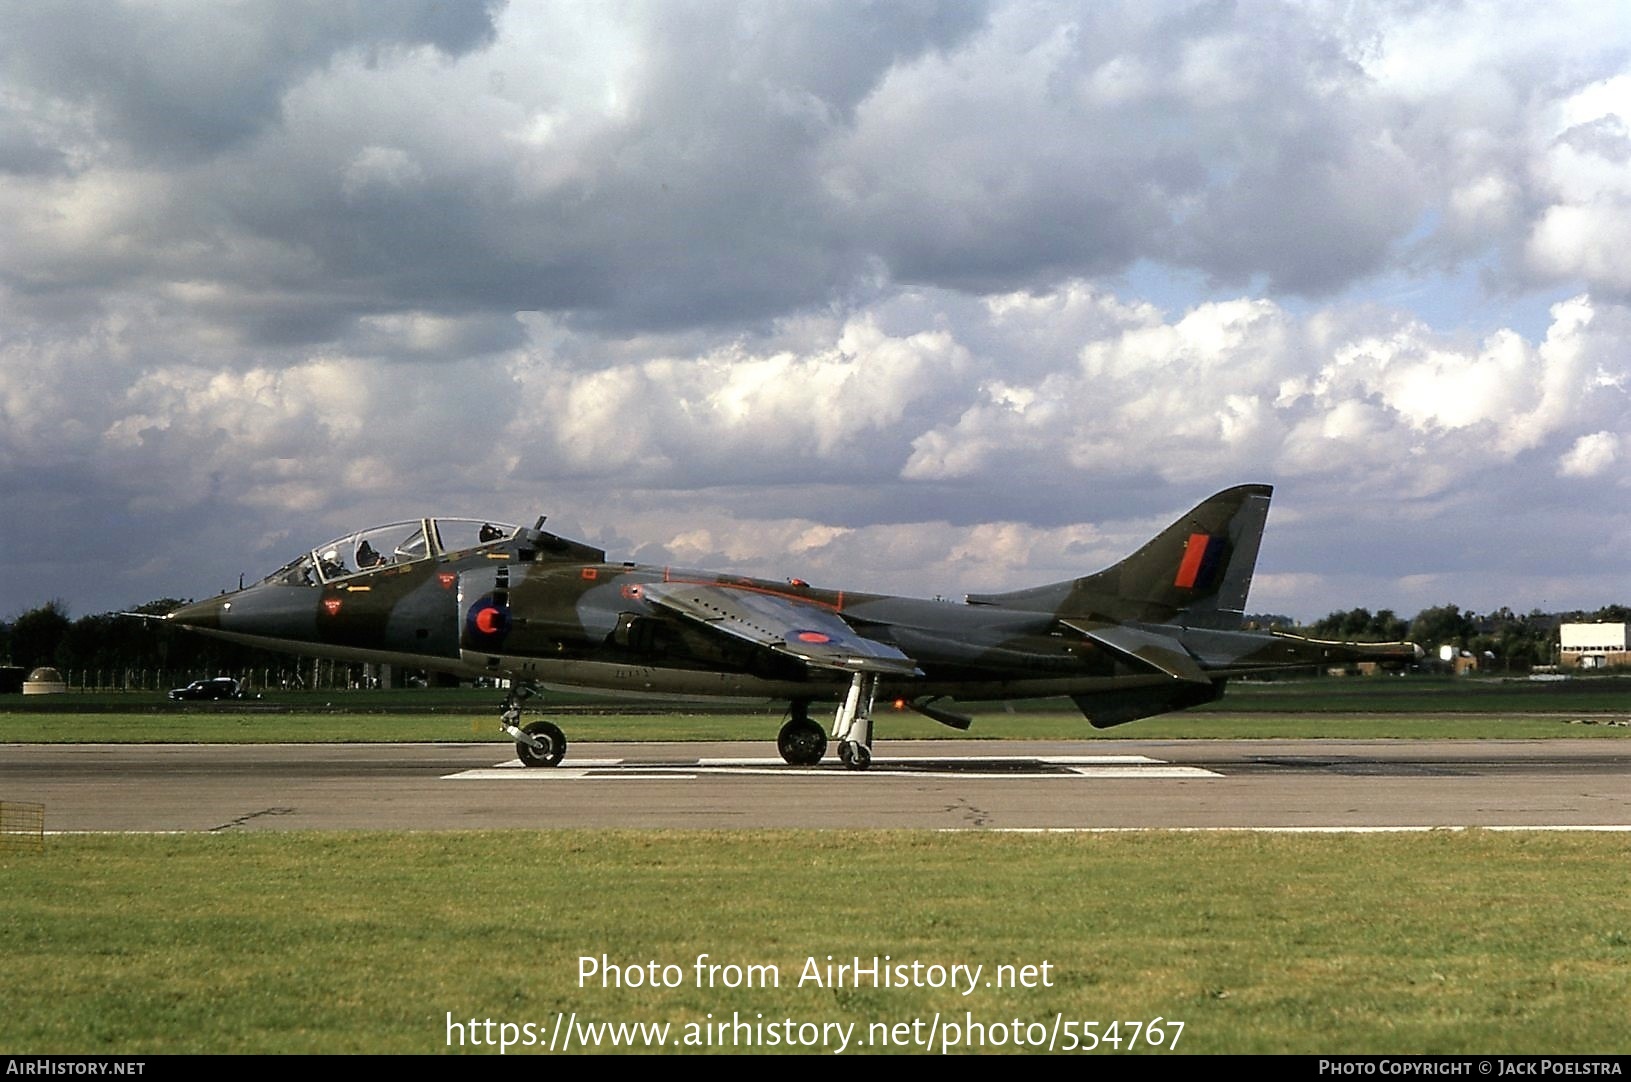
[854,754]
[852,724]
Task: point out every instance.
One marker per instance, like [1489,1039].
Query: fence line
[315,674]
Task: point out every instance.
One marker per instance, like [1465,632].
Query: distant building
[1456,660]
[1593,646]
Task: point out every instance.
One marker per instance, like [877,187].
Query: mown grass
[1445,942]
[1411,708]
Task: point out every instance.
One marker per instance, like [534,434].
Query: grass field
[1471,942]
[1414,708]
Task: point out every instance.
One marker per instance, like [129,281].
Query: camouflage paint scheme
[1159,631]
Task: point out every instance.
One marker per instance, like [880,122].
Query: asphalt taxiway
[1292,784]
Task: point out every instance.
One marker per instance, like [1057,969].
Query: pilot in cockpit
[367,557]
[489,532]
[330,564]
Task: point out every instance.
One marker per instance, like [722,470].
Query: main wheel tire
[547,734]
[802,742]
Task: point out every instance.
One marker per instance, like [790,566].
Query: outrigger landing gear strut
[539,744]
[852,724]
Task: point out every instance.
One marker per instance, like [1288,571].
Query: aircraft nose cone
[201,613]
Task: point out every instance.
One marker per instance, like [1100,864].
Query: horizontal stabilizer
[1157,651]
[812,633]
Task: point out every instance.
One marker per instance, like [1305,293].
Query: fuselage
[591,626]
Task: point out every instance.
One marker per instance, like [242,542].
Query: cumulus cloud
[934,296]
[1590,455]
[1584,175]
[750,453]
[167,81]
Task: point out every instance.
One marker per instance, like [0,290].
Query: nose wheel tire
[802,742]
[547,734]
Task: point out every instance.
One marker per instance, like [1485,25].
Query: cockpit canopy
[383,546]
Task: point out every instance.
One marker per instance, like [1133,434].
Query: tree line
[1518,640]
[120,643]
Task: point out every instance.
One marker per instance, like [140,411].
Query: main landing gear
[801,740]
[802,743]
[540,743]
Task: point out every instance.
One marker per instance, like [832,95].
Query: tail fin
[1196,572]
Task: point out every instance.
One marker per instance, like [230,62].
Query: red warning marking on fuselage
[447,578]
[591,573]
[331,605]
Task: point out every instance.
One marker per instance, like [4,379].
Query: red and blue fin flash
[1203,557]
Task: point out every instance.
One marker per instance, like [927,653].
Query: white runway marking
[1015,766]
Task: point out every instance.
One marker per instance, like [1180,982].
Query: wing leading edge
[809,632]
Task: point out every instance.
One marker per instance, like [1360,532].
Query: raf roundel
[815,638]
[488,620]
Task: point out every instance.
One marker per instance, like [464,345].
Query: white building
[1593,646]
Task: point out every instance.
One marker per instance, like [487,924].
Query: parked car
[222,687]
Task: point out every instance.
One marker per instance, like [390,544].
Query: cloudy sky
[927,298]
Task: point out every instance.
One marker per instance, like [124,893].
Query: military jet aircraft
[1159,631]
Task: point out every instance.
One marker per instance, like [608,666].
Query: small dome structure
[44,681]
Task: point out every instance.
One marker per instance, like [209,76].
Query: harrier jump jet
[1159,631]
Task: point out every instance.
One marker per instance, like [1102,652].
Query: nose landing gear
[540,743]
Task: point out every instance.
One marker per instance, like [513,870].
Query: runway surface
[917,784]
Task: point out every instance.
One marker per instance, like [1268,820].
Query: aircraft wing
[1157,651]
[812,633]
